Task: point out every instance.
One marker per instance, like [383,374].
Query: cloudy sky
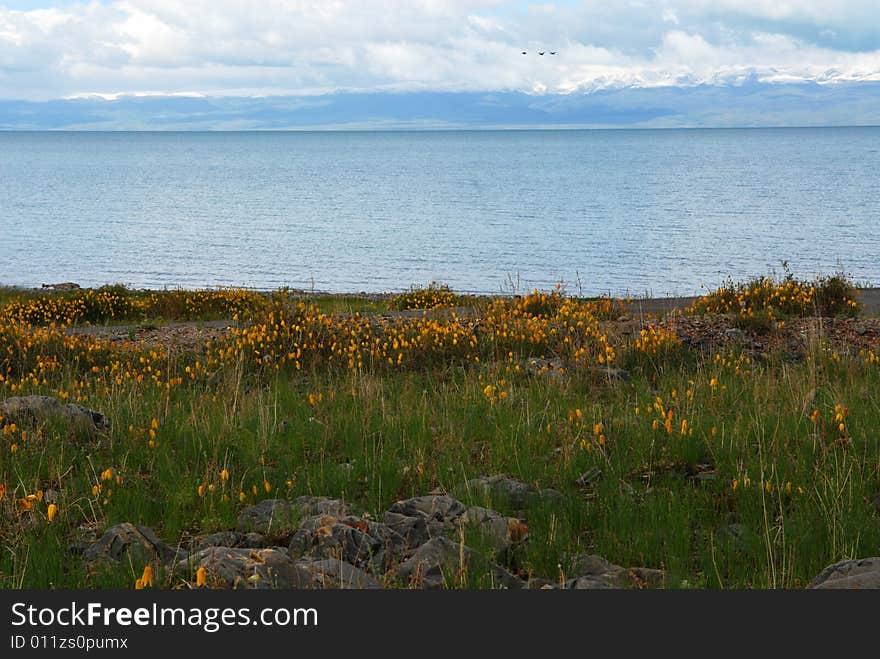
[294,47]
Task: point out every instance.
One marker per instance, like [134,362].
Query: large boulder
[441,563]
[138,544]
[239,567]
[33,409]
[854,574]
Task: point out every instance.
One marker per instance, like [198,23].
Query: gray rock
[253,541]
[356,541]
[139,544]
[589,582]
[413,530]
[219,539]
[441,563]
[501,532]
[595,572]
[503,488]
[238,567]
[268,516]
[332,573]
[392,541]
[641,577]
[63,286]
[591,564]
[419,519]
[310,505]
[231,539]
[854,574]
[439,507]
[275,516]
[31,409]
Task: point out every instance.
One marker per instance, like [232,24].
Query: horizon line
[433,129]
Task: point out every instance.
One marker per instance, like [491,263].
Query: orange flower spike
[147,576]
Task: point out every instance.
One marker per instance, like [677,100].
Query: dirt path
[181,335]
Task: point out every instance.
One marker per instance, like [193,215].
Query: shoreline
[637,305]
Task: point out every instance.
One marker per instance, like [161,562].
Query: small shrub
[836,296]
[434,296]
[771,299]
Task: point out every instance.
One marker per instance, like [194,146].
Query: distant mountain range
[749,104]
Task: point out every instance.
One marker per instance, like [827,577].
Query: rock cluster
[320,542]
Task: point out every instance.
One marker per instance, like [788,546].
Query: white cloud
[230,47]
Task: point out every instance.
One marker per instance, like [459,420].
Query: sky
[235,48]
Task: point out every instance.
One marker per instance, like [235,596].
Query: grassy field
[740,449]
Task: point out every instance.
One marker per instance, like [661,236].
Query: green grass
[766,500]
[407,434]
[348,304]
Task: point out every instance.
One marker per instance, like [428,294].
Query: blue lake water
[640,211]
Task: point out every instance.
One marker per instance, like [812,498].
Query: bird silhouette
[524,52]
[541,53]
[552,52]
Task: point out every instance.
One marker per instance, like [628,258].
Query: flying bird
[552,52]
[524,52]
[541,53]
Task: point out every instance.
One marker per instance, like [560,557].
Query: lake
[603,211]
